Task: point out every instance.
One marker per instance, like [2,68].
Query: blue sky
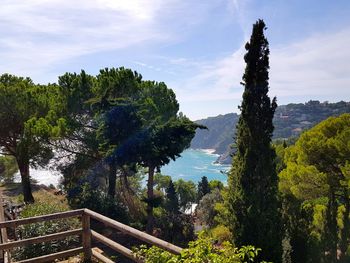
[195,47]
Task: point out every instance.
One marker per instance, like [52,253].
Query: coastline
[207,151]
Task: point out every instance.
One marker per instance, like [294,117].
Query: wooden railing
[87,235]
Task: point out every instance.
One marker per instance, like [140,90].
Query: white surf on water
[42,176]
[192,165]
[196,163]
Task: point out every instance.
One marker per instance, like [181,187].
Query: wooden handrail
[87,234]
[5,255]
[101,257]
[52,257]
[115,246]
[134,232]
[37,219]
[33,240]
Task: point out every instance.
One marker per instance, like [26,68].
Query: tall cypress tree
[172,199]
[252,198]
[203,188]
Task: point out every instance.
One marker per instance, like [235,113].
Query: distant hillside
[290,120]
[219,134]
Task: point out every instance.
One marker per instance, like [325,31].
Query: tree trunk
[150,197]
[25,179]
[112,178]
[346,229]
[331,232]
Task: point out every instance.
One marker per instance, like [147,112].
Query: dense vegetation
[46,203]
[287,200]
[289,121]
[315,188]
[201,250]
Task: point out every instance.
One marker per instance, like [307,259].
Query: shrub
[46,203]
[221,233]
[176,228]
[201,250]
[85,196]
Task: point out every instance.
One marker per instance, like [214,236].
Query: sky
[196,47]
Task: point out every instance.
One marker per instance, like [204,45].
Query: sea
[196,163]
[192,165]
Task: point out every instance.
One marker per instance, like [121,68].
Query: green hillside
[290,120]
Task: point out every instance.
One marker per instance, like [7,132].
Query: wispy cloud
[180,42]
[318,66]
[36,35]
[214,80]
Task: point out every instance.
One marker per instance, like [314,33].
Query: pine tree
[172,200]
[203,188]
[252,198]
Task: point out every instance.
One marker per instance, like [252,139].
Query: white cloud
[213,80]
[316,67]
[39,34]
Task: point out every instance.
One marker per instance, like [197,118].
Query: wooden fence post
[86,237]
[4,254]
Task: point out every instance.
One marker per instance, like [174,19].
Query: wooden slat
[86,237]
[9,216]
[134,232]
[101,257]
[115,246]
[36,219]
[5,255]
[33,240]
[52,257]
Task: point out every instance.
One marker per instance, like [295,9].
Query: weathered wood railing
[87,235]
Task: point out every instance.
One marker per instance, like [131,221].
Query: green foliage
[8,168]
[161,182]
[216,184]
[252,196]
[29,116]
[203,188]
[176,228]
[172,200]
[206,209]
[173,226]
[201,250]
[316,174]
[85,196]
[221,233]
[46,203]
[123,122]
[187,193]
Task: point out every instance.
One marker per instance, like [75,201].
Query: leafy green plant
[221,233]
[202,250]
[46,203]
[85,196]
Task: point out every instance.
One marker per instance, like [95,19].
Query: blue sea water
[193,164]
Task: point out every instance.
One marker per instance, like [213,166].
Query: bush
[46,203]
[176,228]
[8,169]
[221,233]
[201,250]
[84,196]
[206,210]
